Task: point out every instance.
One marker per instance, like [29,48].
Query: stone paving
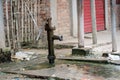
[103,38]
[69,70]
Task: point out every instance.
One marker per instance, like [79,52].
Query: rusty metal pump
[51,37]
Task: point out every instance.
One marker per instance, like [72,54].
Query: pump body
[51,37]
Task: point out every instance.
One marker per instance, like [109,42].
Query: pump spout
[60,37]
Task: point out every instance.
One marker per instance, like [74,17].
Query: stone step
[84,59]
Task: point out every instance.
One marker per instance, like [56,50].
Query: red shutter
[100,15]
[87,16]
[117,1]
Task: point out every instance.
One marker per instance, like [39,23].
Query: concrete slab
[115,62]
[60,72]
[81,51]
[84,59]
[92,60]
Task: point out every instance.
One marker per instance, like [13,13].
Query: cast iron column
[114,43]
[51,37]
[80,9]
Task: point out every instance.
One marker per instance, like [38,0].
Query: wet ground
[76,70]
[62,70]
[67,70]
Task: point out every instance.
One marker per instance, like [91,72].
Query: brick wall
[64,20]
[118,14]
[109,13]
[118,17]
[64,16]
[40,10]
[43,9]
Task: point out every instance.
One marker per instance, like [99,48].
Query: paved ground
[70,70]
[38,63]
[104,41]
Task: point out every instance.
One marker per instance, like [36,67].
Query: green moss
[39,66]
[31,45]
[5,56]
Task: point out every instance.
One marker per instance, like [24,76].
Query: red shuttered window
[117,1]
[100,16]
